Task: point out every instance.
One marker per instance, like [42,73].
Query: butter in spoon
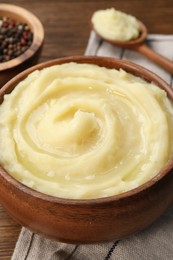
[126,31]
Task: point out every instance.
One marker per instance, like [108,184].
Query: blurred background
[66,21]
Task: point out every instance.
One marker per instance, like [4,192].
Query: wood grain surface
[66,33]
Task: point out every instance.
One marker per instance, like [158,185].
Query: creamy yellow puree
[115,25]
[84,131]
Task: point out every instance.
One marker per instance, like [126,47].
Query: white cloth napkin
[155,242]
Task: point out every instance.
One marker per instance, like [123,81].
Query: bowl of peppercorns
[21,40]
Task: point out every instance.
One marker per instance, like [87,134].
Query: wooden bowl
[30,57]
[93,220]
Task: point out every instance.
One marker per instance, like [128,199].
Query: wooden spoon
[140,46]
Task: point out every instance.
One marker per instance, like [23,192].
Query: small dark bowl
[93,220]
[30,57]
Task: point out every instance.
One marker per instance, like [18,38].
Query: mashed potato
[115,25]
[84,131]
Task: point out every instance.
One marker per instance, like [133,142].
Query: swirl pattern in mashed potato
[84,131]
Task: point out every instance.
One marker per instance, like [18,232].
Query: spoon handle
[156,57]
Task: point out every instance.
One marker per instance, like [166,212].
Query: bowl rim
[36,27]
[108,62]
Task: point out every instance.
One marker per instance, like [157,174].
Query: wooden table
[66,34]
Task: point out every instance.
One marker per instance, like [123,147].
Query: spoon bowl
[140,46]
[126,44]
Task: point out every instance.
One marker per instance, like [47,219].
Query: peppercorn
[15,38]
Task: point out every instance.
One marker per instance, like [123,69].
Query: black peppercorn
[15,38]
